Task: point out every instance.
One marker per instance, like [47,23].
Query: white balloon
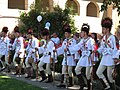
[39,18]
[47,25]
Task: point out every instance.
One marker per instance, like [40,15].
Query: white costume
[18,45]
[86,46]
[32,44]
[107,60]
[4,48]
[56,40]
[107,51]
[46,50]
[69,57]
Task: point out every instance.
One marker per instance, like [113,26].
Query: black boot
[81,81]
[43,76]
[50,79]
[88,84]
[62,82]
[33,76]
[70,82]
[28,71]
[22,71]
[16,70]
[112,86]
[105,86]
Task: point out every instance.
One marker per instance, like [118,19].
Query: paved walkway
[47,86]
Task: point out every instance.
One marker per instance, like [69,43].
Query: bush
[58,19]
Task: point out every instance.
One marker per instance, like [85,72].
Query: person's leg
[62,76]
[49,72]
[43,75]
[110,78]
[70,76]
[102,78]
[80,77]
[88,75]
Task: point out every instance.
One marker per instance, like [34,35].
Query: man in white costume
[46,50]
[86,45]
[31,57]
[108,46]
[68,60]
[4,47]
[18,46]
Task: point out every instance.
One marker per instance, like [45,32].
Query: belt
[70,54]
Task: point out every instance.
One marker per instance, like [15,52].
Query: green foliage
[115,3]
[57,19]
[7,83]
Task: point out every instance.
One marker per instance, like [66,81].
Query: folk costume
[31,55]
[4,47]
[46,50]
[86,46]
[18,46]
[68,60]
[108,46]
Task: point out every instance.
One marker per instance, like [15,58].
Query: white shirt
[4,45]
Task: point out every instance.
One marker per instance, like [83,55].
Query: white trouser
[101,69]
[28,64]
[6,60]
[48,70]
[67,70]
[87,73]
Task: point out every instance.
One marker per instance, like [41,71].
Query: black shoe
[50,79]
[43,79]
[61,85]
[2,69]
[70,82]
[43,76]
[28,77]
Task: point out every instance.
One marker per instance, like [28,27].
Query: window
[74,6]
[18,4]
[92,10]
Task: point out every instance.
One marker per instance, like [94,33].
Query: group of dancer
[82,50]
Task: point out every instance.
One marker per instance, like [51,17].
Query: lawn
[7,83]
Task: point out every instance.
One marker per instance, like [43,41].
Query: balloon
[39,18]
[47,25]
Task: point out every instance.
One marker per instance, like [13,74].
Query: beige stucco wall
[9,17]
[94,22]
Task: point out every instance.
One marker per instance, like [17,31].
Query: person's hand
[36,49]
[65,50]
[54,50]
[19,53]
[116,60]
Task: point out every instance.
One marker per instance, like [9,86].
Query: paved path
[47,86]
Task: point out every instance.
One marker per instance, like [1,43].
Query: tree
[58,19]
[115,3]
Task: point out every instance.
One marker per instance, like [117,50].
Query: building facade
[10,11]
[84,11]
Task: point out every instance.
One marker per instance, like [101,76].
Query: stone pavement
[47,86]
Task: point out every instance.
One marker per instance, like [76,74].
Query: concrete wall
[94,22]
[9,17]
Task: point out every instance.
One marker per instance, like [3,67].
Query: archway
[92,10]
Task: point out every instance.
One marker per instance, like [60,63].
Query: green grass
[7,83]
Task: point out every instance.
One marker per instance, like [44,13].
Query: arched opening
[92,10]
[74,7]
